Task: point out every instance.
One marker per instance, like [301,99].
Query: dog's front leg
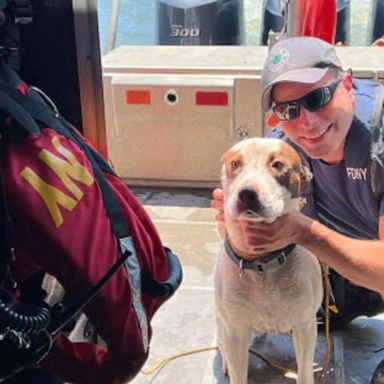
[235,342]
[304,339]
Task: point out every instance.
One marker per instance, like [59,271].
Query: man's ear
[348,85]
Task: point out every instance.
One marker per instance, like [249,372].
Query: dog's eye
[278,165]
[234,165]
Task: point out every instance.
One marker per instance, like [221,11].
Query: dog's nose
[248,196]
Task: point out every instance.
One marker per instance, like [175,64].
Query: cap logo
[279,58]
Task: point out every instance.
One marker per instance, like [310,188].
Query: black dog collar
[275,259]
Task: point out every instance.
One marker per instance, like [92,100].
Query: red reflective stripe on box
[211,98]
[138,97]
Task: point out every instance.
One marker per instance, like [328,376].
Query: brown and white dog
[278,292]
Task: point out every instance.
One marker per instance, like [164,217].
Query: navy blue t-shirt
[341,194]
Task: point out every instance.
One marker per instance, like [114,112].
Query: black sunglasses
[312,101]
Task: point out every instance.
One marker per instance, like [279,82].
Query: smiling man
[328,116]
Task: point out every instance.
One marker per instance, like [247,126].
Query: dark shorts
[351,302]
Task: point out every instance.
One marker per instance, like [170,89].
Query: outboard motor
[273,19]
[200,22]
[343,24]
[377,18]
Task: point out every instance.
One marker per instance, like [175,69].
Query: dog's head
[262,179]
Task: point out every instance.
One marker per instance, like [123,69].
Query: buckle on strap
[273,263]
[22,11]
[47,100]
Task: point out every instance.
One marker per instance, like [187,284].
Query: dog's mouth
[265,214]
[250,209]
[248,214]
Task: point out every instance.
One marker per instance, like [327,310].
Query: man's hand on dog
[218,204]
[263,237]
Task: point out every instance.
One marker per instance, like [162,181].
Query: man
[323,112]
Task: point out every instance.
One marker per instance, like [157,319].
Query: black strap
[18,113]
[6,243]
[22,11]
[377,144]
[61,319]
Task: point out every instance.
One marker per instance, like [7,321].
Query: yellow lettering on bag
[51,196]
[67,171]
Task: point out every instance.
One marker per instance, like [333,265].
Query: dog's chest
[269,302]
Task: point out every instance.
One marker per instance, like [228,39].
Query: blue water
[136,22]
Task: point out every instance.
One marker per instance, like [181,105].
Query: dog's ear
[305,174]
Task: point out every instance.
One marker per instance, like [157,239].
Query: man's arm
[361,261]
